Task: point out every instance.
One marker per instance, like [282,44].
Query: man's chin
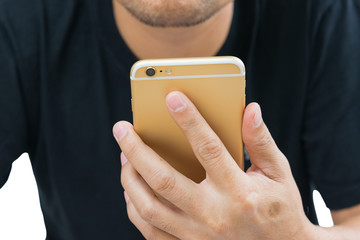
[173,13]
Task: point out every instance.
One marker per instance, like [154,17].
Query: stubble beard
[173,13]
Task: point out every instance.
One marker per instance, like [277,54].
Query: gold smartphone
[216,85]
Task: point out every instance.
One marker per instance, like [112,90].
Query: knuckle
[166,226]
[263,141]
[163,181]
[220,228]
[217,226]
[209,149]
[147,212]
[189,122]
[250,202]
[130,149]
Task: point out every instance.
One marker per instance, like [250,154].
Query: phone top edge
[186,61]
[188,77]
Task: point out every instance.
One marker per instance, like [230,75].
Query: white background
[20,213]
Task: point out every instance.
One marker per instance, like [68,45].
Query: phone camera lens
[150,71]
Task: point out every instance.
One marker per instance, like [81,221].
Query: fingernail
[127,199]
[175,102]
[123,159]
[257,117]
[120,131]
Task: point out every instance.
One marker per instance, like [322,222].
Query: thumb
[260,145]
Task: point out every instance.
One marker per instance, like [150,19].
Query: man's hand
[263,203]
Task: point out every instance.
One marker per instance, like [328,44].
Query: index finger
[220,167]
[158,174]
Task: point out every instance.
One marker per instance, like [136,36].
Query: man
[64,82]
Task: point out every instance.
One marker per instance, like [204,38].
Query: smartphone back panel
[216,85]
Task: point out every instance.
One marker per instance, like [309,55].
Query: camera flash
[168,71]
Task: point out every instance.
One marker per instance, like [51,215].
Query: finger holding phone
[263,203]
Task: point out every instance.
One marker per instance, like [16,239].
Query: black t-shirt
[64,82]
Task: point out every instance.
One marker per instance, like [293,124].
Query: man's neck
[202,40]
